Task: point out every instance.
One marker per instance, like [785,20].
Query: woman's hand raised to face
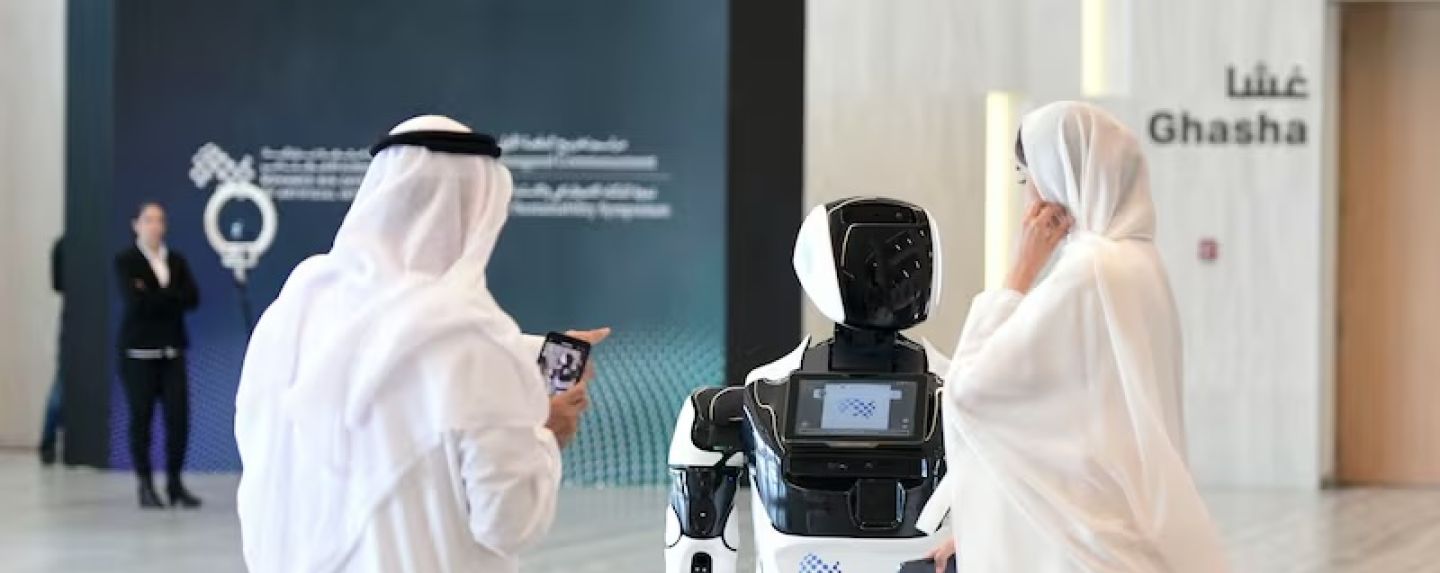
[1044,226]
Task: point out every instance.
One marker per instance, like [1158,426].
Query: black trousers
[148,382]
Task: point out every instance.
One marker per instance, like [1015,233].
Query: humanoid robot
[841,439]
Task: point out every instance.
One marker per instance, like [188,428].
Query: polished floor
[77,520]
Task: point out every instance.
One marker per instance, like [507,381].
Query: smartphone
[562,361]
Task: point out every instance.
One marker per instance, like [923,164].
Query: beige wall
[891,110]
[895,106]
[32,74]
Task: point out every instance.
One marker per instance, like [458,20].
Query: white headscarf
[1072,405]
[369,354]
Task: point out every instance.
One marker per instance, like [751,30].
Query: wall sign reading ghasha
[1180,127]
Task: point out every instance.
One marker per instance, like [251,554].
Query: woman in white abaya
[1063,409]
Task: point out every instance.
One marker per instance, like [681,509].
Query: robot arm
[932,518]
[706,463]
[937,509]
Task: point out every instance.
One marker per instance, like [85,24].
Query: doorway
[1388,395]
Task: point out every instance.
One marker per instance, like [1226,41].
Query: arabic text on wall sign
[1180,127]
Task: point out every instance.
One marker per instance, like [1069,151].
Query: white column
[32,108]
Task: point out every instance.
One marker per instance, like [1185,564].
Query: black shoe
[47,456]
[179,497]
[149,499]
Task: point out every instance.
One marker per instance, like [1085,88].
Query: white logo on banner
[236,182]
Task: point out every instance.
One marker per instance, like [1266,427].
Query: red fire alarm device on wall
[1209,250]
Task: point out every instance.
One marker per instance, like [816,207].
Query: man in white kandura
[390,415]
[1063,409]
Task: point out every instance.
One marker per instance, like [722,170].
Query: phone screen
[562,361]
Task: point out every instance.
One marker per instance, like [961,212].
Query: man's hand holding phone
[566,406]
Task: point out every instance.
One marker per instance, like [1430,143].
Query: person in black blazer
[158,290]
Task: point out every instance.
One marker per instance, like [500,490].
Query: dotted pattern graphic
[214,369]
[812,563]
[858,407]
[644,375]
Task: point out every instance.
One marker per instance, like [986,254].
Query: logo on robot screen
[812,563]
[858,408]
[234,181]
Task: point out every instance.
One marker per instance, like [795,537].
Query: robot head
[870,262]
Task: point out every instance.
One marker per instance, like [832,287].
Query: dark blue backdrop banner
[613,119]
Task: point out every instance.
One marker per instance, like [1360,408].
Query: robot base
[777,552]
[701,556]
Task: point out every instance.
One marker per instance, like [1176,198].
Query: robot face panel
[870,263]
